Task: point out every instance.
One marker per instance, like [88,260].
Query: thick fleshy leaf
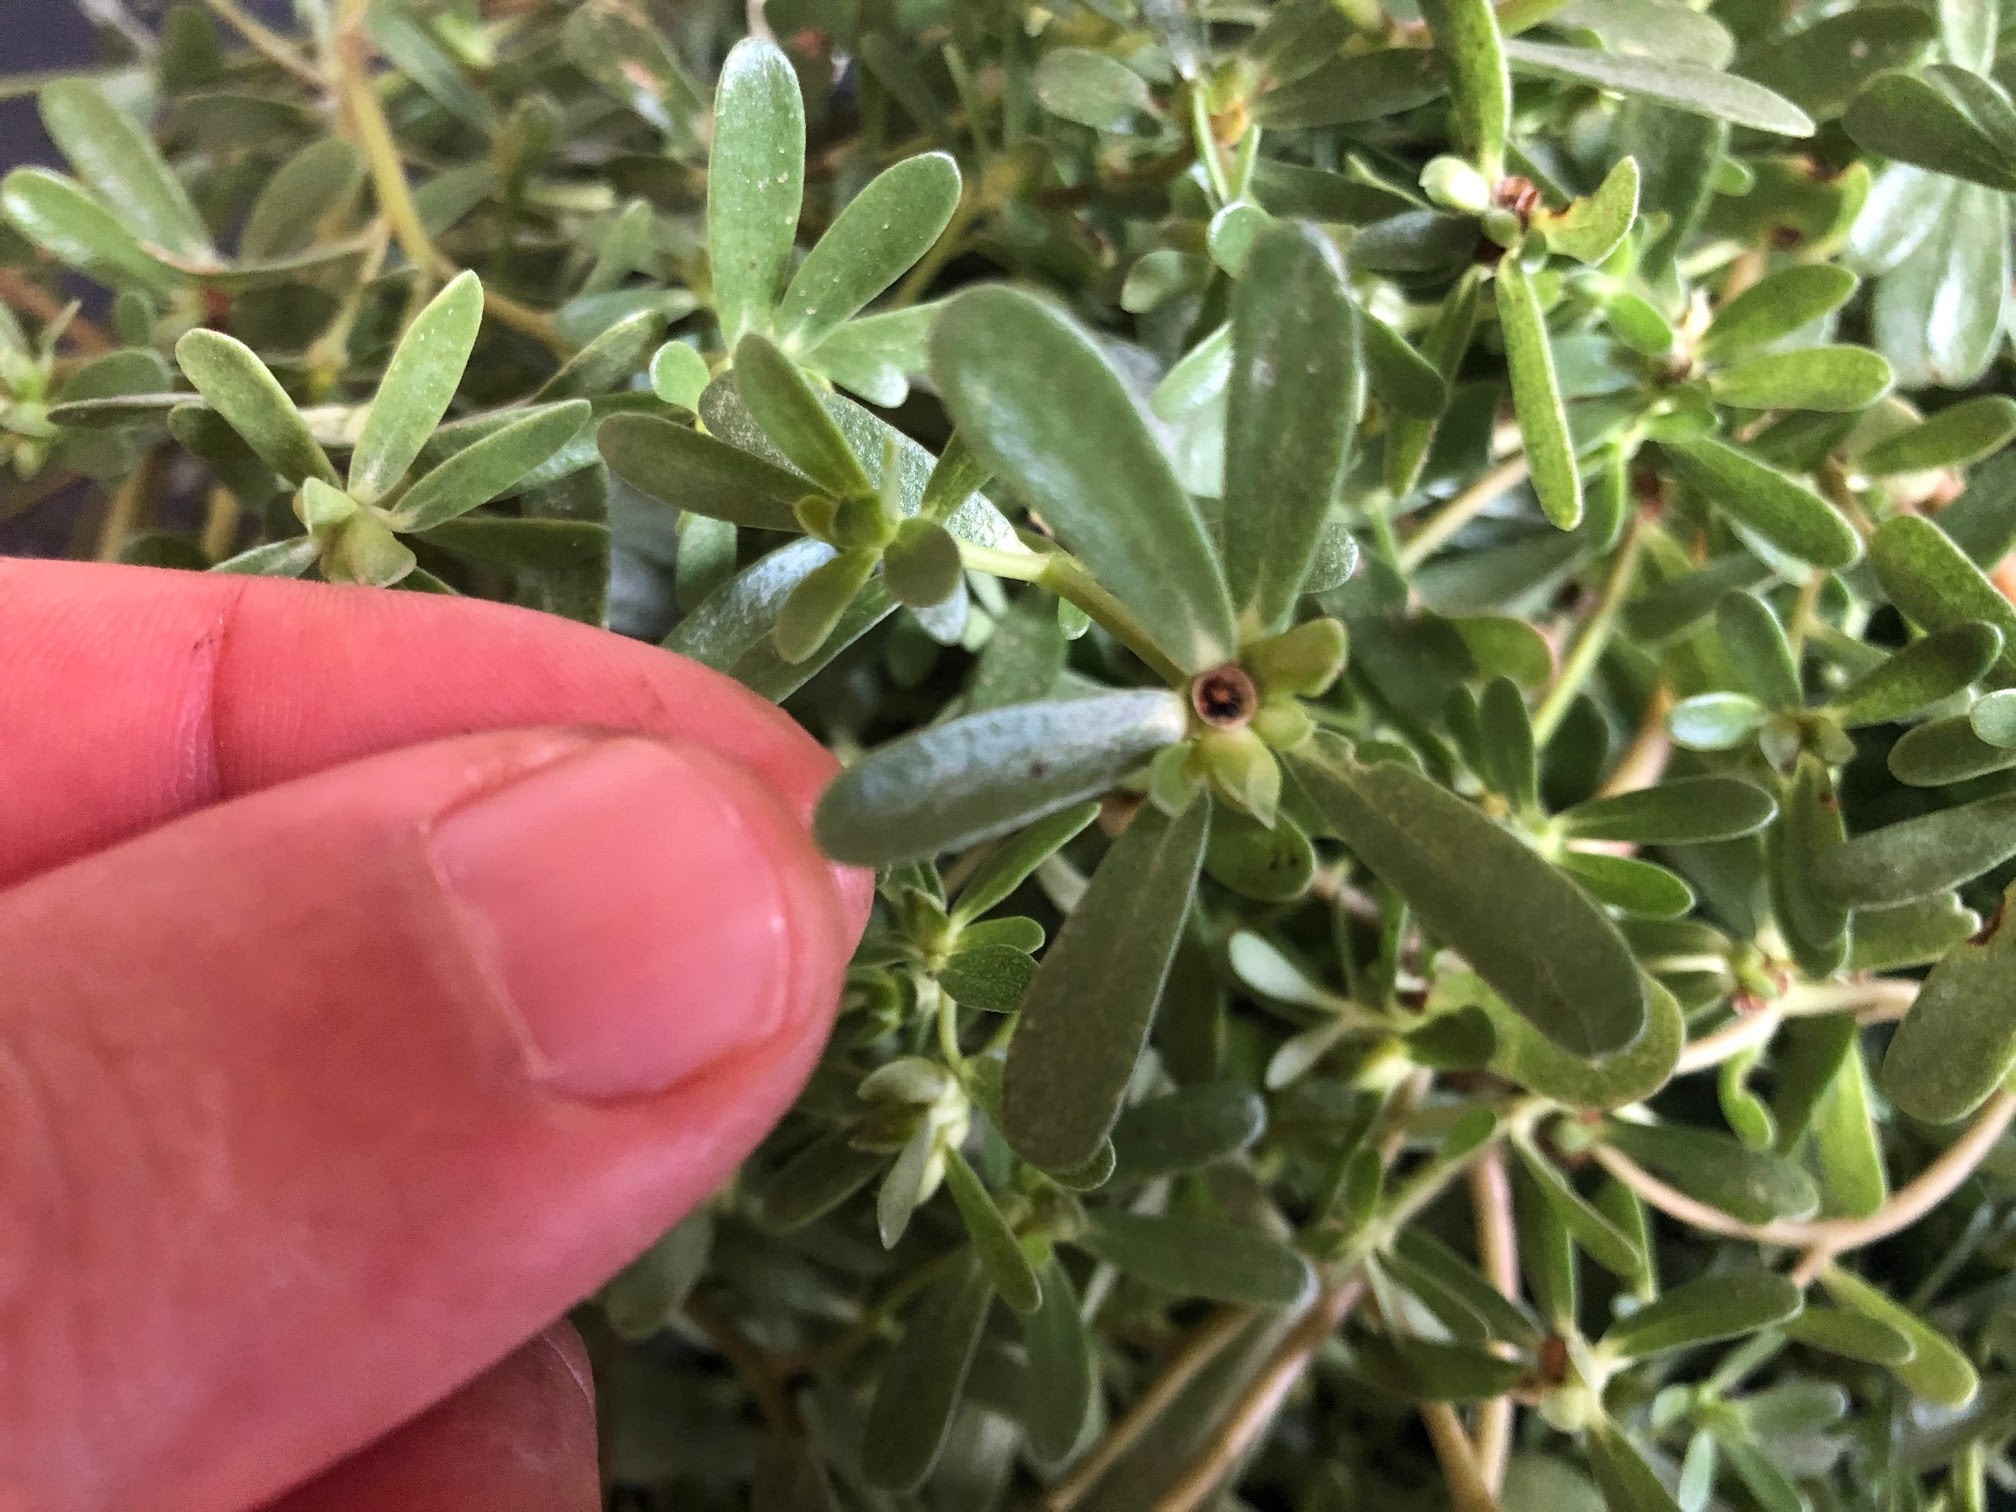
[993,978]
[1962,433]
[815,1181]
[1011,862]
[1935,586]
[1592,228]
[1911,934]
[1474,1309]
[1725,1173]
[1787,514]
[756,184]
[994,1242]
[732,630]
[1604,1242]
[815,608]
[288,559]
[1777,305]
[244,391]
[1819,67]
[1759,652]
[1851,1335]
[319,180]
[1681,86]
[1837,379]
[1641,889]
[1846,1145]
[1408,440]
[1041,406]
[537,545]
[1063,1371]
[1536,396]
[491,467]
[955,784]
[607,364]
[69,223]
[1683,811]
[1365,86]
[1627,1482]
[924,1380]
[1187,1129]
[690,470]
[618,48]
[1720,1306]
[1401,377]
[1715,721]
[882,231]
[1936,1369]
[1809,831]
[1928,670]
[121,165]
[1297,387]
[1915,858]
[1993,719]
[1958,1042]
[1427,1370]
[792,416]
[417,388]
[1197,1258]
[1942,117]
[1522,926]
[1467,40]
[1086,1017]
[1088,87]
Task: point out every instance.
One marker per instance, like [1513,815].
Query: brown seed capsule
[1225,697]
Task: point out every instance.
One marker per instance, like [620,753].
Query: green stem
[1065,576]
[1462,509]
[1207,146]
[269,44]
[1595,636]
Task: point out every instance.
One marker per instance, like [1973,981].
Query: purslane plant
[1416,606]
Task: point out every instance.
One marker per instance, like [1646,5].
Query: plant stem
[1064,575]
[20,292]
[1198,1351]
[269,44]
[1467,1490]
[1823,1239]
[940,252]
[1461,510]
[1498,1257]
[1595,637]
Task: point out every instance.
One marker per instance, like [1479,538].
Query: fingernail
[628,904]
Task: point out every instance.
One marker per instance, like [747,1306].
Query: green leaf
[1627,1482]
[1923,673]
[121,165]
[1935,586]
[921,566]
[1725,1173]
[1940,117]
[1638,888]
[1846,1145]
[1467,39]
[1193,1257]
[756,184]
[732,630]
[1040,405]
[1528,1058]
[1077,84]
[73,226]
[1086,1017]
[1993,719]
[814,1181]
[955,784]
[1936,1369]
[994,1242]
[1525,928]
[1425,1370]
[1536,396]
[244,391]
[793,417]
[1717,1306]
[679,374]
[610,361]
[1063,1372]
[816,607]
[536,545]
[287,559]
[1791,517]
[882,231]
[1011,862]
[1819,67]
[320,180]
[924,1380]
[1915,858]
[1402,378]
[1297,389]
[1835,379]
[1595,226]
[417,388]
[1777,305]
[1911,934]
[1187,1129]
[1850,1335]
[491,467]
[1715,721]
[993,978]
[1681,86]
[1605,1243]
[1448,1283]
[1681,811]
[1809,831]
[1758,650]
[1365,86]
[618,48]
[1269,865]
[1958,1042]
[1955,436]
[691,470]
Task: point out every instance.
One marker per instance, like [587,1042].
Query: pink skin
[382,971]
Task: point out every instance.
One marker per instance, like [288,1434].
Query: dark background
[39,34]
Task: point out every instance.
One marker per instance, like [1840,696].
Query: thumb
[315,1103]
